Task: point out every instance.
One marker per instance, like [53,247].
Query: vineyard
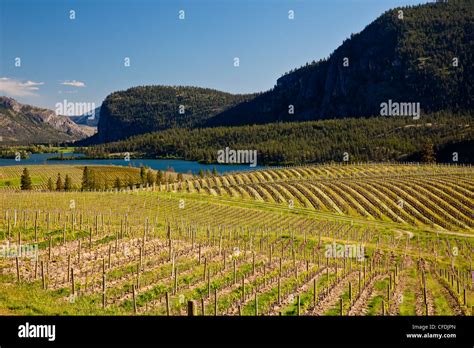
[435,196]
[317,240]
[40,174]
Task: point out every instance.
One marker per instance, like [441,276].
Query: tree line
[91,182]
[364,139]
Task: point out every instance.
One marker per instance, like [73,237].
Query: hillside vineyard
[181,172]
[314,240]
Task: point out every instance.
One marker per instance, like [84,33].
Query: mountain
[146,109]
[406,56]
[86,119]
[420,54]
[25,124]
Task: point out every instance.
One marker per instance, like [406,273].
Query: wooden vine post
[167,299]
[17,269]
[134,299]
[191,311]
[215,302]
[72,280]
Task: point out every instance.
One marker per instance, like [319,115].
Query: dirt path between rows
[360,305]
[330,299]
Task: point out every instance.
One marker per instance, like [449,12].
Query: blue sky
[82,60]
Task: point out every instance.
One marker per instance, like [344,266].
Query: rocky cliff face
[25,124]
[110,127]
[406,56]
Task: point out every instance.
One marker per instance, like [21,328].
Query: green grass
[375,304]
[441,305]
[408,303]
[336,308]
[15,182]
[31,299]
[306,299]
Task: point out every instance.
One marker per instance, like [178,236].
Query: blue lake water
[179,166]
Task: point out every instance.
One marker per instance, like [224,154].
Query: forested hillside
[421,54]
[151,108]
[373,139]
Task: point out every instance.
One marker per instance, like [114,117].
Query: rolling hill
[152,108]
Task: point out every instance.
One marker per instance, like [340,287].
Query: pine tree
[214,171]
[86,179]
[201,173]
[59,183]
[150,177]
[142,174]
[180,177]
[159,177]
[427,153]
[26,180]
[117,183]
[67,183]
[50,184]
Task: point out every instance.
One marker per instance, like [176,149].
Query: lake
[179,166]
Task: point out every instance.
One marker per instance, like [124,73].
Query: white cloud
[73,83]
[31,83]
[16,88]
[74,91]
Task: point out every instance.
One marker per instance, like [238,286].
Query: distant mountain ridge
[422,54]
[25,124]
[87,119]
